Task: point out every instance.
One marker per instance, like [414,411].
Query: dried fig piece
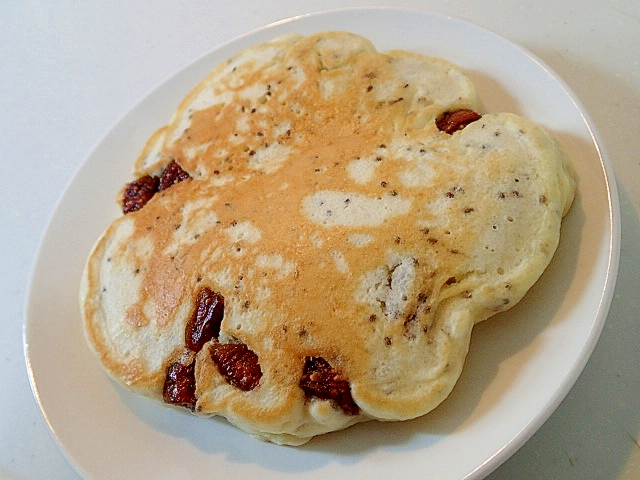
[180,385]
[237,364]
[451,122]
[319,379]
[205,320]
[172,174]
[139,192]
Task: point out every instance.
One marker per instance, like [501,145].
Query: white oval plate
[520,366]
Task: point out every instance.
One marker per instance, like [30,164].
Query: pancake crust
[338,222]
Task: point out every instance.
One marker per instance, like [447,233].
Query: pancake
[309,241]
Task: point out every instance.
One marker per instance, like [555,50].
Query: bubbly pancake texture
[350,243]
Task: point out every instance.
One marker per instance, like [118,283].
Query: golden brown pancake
[310,240]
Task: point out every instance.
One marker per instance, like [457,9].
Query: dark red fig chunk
[138,193]
[451,122]
[205,320]
[319,379]
[180,385]
[237,364]
[172,174]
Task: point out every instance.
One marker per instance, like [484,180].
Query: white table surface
[69,70]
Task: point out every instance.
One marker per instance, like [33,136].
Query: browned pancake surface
[338,222]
